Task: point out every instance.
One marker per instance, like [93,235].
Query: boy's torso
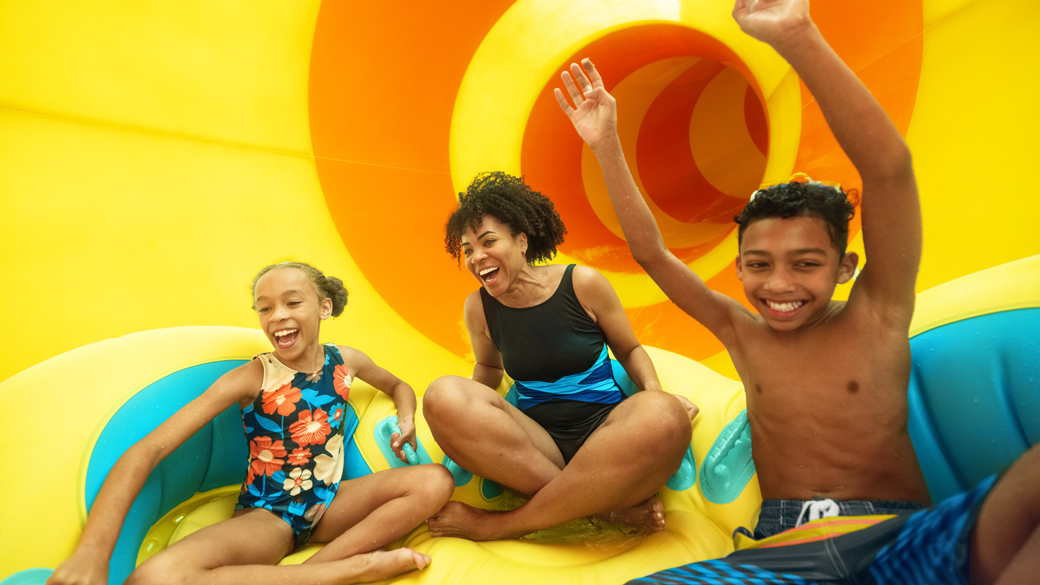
[828,408]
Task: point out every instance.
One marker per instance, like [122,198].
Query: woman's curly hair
[511,202]
[803,197]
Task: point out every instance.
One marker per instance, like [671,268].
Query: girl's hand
[398,441]
[594,115]
[82,568]
[772,21]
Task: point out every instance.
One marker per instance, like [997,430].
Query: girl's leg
[372,511]
[622,465]
[242,550]
[486,435]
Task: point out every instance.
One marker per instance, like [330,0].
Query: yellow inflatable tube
[108,394]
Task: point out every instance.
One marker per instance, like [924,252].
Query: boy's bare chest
[831,367]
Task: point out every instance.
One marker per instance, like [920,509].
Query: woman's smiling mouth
[487,275]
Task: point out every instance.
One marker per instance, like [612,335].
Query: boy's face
[789,269]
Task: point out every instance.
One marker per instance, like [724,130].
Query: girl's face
[291,313]
[493,255]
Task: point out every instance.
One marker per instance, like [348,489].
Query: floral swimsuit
[295,434]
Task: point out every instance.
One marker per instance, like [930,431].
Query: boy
[825,380]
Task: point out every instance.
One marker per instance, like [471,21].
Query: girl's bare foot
[379,565]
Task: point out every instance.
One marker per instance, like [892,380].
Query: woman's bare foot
[379,565]
[644,518]
[463,521]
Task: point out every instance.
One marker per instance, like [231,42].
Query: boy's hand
[772,21]
[82,568]
[397,441]
[595,115]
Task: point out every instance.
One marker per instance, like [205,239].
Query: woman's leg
[622,465]
[243,550]
[371,511]
[486,435]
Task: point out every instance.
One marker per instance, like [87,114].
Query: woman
[575,446]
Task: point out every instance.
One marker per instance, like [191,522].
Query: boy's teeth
[784,307]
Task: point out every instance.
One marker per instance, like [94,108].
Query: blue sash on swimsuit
[595,384]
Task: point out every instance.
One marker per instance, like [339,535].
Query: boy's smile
[789,269]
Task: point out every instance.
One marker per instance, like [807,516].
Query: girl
[292,492]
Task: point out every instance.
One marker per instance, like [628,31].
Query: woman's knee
[664,413]
[445,400]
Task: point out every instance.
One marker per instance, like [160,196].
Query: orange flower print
[341,381]
[300,457]
[283,400]
[311,430]
[250,476]
[266,456]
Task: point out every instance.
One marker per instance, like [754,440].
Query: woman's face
[493,255]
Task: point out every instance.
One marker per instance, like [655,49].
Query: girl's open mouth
[286,337]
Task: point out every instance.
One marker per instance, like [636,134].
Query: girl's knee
[440,483]
[162,569]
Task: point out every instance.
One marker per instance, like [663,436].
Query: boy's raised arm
[595,118]
[891,209]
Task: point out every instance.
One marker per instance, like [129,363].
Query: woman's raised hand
[772,21]
[594,113]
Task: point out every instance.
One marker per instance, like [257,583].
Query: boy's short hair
[803,197]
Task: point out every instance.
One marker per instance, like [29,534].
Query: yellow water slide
[154,155]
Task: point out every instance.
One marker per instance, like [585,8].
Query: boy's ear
[325,309]
[847,267]
[740,268]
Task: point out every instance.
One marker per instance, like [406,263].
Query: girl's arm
[597,296]
[88,565]
[396,388]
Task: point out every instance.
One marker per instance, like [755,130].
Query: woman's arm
[399,390]
[489,369]
[89,563]
[597,296]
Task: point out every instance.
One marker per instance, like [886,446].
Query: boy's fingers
[594,76]
[566,107]
[568,82]
[579,75]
